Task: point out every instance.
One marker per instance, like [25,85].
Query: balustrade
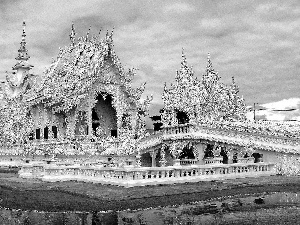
[179,129]
[147,175]
[246,160]
[215,160]
[184,162]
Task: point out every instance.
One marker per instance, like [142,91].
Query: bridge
[270,139]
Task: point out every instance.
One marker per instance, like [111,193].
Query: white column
[153,155]
[89,118]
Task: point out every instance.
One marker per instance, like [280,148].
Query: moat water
[196,213]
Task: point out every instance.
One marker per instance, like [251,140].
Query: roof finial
[72,34]
[183,57]
[209,67]
[111,34]
[22,52]
[88,33]
[24,35]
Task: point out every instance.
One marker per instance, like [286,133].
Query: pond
[235,209]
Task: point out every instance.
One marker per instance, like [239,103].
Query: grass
[27,194]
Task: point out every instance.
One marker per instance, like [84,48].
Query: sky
[257,42]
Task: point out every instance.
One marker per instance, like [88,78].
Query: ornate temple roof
[79,65]
[205,99]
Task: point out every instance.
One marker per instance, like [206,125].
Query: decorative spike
[72,34]
[24,35]
[87,34]
[209,67]
[184,63]
[111,34]
[22,52]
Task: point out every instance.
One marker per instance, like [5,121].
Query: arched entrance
[224,154]
[208,152]
[187,152]
[146,159]
[182,117]
[104,116]
[257,157]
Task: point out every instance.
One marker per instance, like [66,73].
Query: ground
[18,193]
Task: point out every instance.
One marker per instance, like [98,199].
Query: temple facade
[84,95]
[83,115]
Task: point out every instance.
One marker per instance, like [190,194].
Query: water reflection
[9,216]
[201,212]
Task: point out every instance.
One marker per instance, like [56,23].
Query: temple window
[209,151]
[182,117]
[38,133]
[114,133]
[46,133]
[54,131]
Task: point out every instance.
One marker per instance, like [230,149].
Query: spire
[107,35]
[183,62]
[234,86]
[111,34]
[209,67]
[72,34]
[88,33]
[22,52]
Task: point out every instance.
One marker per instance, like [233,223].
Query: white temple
[82,120]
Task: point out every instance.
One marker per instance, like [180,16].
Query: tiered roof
[205,99]
[79,65]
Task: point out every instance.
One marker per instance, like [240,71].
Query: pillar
[42,133]
[162,160]
[89,118]
[153,156]
[200,152]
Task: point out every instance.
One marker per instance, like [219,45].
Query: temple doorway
[182,117]
[208,152]
[187,152]
[224,154]
[257,157]
[104,117]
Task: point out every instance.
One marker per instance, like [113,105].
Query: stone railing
[185,162]
[179,129]
[215,160]
[234,131]
[242,130]
[245,160]
[129,177]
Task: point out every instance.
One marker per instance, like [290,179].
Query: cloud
[255,41]
[285,109]
[179,8]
